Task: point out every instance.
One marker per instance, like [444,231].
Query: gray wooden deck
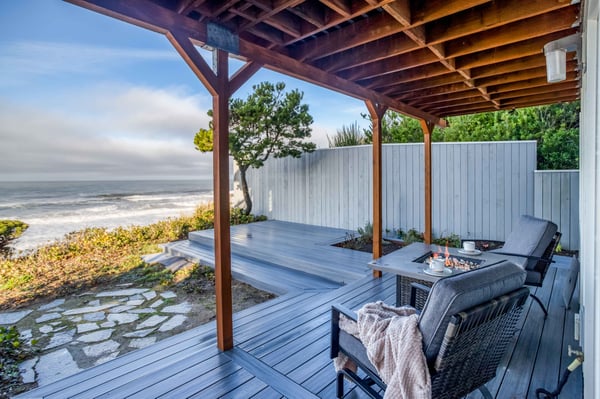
[281,257]
[281,350]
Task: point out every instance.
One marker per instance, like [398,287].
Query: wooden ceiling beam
[541,25]
[382,49]
[509,52]
[436,91]
[395,64]
[520,75]
[492,15]
[466,102]
[472,110]
[389,82]
[149,15]
[433,10]
[536,90]
[453,81]
[362,31]
[527,62]
[310,13]
[526,84]
[443,98]
[540,97]
[544,101]
[274,14]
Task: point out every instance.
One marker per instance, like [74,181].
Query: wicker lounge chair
[467,323]
[532,242]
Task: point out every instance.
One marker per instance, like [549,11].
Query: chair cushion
[531,237]
[462,291]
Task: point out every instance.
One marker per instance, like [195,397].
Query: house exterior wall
[479,189]
[590,201]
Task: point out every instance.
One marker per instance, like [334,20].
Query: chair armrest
[413,292]
[532,257]
[336,311]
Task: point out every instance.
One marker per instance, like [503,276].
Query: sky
[87,97]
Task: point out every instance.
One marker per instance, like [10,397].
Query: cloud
[23,60]
[131,132]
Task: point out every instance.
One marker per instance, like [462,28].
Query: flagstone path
[95,327]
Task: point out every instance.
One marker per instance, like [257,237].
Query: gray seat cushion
[460,292]
[531,237]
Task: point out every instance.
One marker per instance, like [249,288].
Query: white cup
[437,264]
[469,246]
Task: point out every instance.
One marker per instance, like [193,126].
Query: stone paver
[149,295]
[139,333]
[168,294]
[13,317]
[86,327]
[157,303]
[89,309]
[126,292]
[184,307]
[135,302]
[172,323]
[140,343]
[46,329]
[27,370]
[96,336]
[121,308]
[55,303]
[60,339]
[47,317]
[101,348]
[152,321]
[143,310]
[95,316]
[55,365]
[123,318]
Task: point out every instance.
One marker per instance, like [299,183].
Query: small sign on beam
[221,38]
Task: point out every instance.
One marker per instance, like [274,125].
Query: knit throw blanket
[394,346]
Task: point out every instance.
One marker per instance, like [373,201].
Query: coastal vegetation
[555,128]
[10,230]
[95,256]
[270,122]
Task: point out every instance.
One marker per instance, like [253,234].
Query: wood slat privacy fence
[479,189]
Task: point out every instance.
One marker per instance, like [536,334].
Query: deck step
[281,244]
[262,275]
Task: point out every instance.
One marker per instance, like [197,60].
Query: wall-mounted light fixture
[556,56]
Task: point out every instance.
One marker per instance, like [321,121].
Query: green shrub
[9,231]
[13,350]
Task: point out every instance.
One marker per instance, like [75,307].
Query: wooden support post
[221,198]
[376,111]
[218,84]
[427,129]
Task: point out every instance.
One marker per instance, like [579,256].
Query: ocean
[53,209]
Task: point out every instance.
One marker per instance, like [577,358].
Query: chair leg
[485,392]
[340,385]
[535,298]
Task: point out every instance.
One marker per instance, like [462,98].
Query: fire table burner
[452,261]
